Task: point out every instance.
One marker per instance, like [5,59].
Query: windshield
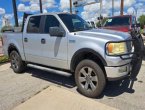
[118,21]
[74,23]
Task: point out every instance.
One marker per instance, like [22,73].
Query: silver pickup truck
[65,41]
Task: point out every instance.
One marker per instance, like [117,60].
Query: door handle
[43,41]
[25,39]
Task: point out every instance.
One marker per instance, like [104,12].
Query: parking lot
[17,88]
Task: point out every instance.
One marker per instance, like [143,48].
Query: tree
[6,28]
[141,19]
[101,22]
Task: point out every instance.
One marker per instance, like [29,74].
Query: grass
[141,31]
[3,59]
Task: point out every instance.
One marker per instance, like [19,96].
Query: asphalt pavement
[15,89]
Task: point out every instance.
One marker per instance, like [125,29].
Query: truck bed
[13,38]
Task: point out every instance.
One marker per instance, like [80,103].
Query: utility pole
[100,18]
[100,7]
[15,13]
[71,6]
[112,7]
[122,7]
[40,3]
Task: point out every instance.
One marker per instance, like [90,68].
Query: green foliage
[101,22]
[6,28]
[98,24]
[141,31]
[3,59]
[104,20]
[141,19]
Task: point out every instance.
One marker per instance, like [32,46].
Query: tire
[17,64]
[90,78]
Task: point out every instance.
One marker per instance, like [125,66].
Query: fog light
[123,69]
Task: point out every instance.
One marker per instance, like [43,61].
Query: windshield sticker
[109,20]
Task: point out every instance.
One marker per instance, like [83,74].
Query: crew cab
[67,42]
[123,23]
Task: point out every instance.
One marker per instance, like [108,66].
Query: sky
[90,12]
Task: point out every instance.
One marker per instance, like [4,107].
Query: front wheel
[17,64]
[90,78]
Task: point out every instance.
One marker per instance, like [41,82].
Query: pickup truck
[66,42]
[125,23]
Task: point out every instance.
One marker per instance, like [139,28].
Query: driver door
[55,48]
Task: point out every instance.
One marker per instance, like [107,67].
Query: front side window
[74,23]
[34,24]
[51,21]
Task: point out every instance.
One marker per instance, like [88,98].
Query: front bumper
[119,72]
[135,55]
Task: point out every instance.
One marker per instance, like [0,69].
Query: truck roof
[121,16]
[52,13]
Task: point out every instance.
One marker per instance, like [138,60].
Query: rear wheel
[17,64]
[90,78]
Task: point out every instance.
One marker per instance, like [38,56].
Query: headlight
[116,48]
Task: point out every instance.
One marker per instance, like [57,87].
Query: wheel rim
[88,79]
[14,61]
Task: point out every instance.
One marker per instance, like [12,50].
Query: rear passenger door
[32,40]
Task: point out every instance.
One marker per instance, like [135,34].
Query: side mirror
[56,31]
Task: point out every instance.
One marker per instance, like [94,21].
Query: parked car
[125,23]
[66,42]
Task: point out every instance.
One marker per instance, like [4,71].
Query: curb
[56,98]
[4,67]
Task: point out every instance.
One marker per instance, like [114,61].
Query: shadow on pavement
[116,88]
[113,89]
[51,76]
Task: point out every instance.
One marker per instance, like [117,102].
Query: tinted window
[118,21]
[51,21]
[34,24]
[74,22]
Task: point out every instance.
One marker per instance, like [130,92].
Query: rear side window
[51,21]
[34,24]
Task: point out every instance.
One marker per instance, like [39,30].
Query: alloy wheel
[88,79]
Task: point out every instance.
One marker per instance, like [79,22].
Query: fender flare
[12,45]
[83,50]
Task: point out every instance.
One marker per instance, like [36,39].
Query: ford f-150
[67,42]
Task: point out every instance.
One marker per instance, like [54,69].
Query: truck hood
[105,34]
